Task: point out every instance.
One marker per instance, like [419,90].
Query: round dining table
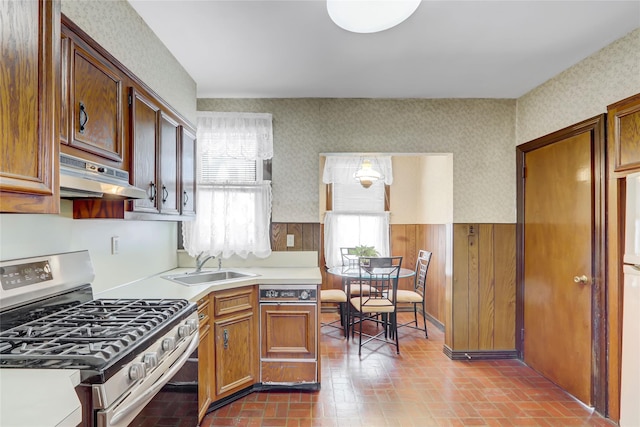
[353,272]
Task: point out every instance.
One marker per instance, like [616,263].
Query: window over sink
[233,193]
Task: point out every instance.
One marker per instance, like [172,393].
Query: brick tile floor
[419,387]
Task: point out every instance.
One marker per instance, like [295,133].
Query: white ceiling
[446,49]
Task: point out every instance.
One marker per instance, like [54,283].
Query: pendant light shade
[367,175]
[370,16]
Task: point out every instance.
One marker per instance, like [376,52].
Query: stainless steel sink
[192,279]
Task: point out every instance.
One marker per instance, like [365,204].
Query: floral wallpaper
[582,91]
[479,133]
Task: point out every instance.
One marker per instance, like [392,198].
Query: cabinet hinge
[522,334]
[524,171]
[130,100]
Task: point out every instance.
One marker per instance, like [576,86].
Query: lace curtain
[238,135]
[340,169]
[232,217]
[347,230]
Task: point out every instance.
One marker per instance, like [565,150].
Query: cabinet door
[96,105]
[188,172]
[624,128]
[235,353]
[144,146]
[169,139]
[288,331]
[29,100]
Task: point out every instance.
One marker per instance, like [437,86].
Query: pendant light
[370,16]
[366,174]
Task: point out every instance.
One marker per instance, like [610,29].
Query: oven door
[128,410]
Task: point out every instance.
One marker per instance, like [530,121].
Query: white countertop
[39,398]
[158,287]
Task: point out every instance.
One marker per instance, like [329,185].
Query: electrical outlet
[290,241]
[115,245]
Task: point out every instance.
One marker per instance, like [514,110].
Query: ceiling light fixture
[370,16]
[366,174]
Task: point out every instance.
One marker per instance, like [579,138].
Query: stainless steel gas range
[126,350]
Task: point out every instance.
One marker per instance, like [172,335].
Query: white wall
[422,189]
[146,247]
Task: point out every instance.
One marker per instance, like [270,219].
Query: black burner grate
[91,334]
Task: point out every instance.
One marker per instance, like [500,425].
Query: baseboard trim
[479,354]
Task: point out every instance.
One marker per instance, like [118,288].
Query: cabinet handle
[186,198]
[165,194]
[153,191]
[225,338]
[84,118]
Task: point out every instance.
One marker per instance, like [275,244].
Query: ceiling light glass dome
[370,16]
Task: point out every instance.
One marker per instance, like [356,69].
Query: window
[234,202]
[358,216]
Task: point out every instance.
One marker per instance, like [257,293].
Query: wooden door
[561,273]
[188,172]
[144,147]
[169,139]
[96,105]
[235,353]
[29,106]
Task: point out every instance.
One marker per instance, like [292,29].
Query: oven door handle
[155,388]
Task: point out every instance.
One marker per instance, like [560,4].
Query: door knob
[581,279]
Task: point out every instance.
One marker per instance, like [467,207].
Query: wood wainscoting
[471,290]
[482,299]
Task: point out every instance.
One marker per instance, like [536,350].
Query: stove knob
[183,331]
[137,371]
[193,325]
[169,344]
[304,295]
[150,360]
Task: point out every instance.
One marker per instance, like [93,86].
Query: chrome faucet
[200,261]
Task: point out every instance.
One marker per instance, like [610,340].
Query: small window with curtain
[234,202]
[358,216]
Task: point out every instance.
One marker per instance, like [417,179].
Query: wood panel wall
[407,240]
[483,292]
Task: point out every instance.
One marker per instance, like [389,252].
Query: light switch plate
[290,240]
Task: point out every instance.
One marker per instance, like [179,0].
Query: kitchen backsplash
[145,247]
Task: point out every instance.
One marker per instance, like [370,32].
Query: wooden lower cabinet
[228,350]
[235,353]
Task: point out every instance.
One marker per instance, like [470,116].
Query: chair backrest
[422,266]
[349,256]
[381,273]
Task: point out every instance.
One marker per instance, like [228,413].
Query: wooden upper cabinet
[95,105]
[29,99]
[169,177]
[624,129]
[144,145]
[188,172]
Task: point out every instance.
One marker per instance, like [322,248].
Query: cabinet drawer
[233,301]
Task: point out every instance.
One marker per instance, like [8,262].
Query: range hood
[80,178]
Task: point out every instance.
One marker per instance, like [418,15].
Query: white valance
[340,169]
[246,136]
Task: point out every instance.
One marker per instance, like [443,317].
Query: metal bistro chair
[417,295]
[379,307]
